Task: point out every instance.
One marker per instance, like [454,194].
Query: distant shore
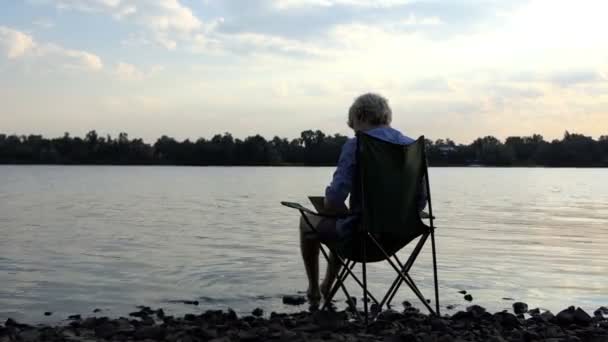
[407,324]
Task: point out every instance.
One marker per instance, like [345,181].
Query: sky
[193,68]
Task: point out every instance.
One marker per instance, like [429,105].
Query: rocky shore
[474,324]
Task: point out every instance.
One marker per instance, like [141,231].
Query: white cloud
[129,72]
[167,21]
[17,45]
[288,4]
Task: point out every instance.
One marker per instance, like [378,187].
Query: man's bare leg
[333,267]
[309,245]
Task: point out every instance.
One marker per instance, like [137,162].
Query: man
[370,114]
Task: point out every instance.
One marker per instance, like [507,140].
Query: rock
[507,320]
[248,336]
[534,312]
[406,304]
[105,330]
[468,298]
[75,317]
[566,317]
[476,310]
[147,321]
[190,317]
[352,303]
[450,307]
[601,312]
[390,315]
[30,335]
[231,315]
[445,338]
[438,324]
[520,308]
[294,300]
[462,292]
[547,316]
[581,317]
[507,298]
[153,332]
[140,314]
[258,312]
[48,313]
[160,313]
[96,310]
[460,315]
[190,302]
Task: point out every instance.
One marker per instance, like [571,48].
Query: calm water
[78,238]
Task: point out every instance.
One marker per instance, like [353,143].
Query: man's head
[369,111]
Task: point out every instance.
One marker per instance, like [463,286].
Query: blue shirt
[342,182]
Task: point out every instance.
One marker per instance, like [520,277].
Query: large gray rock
[520,308]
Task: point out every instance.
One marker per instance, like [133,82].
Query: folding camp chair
[388,179]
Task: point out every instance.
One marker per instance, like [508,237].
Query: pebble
[294,300]
[468,298]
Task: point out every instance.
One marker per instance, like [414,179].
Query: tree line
[312,147]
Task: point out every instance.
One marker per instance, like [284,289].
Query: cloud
[167,21]
[288,4]
[129,72]
[18,45]
[15,43]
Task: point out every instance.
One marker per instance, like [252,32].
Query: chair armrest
[425,215]
[302,208]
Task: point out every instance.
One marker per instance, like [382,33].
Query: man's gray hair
[371,108]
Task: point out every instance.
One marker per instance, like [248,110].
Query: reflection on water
[79,238]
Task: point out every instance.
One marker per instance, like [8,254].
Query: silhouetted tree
[312,147]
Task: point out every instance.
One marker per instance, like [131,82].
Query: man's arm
[341,184]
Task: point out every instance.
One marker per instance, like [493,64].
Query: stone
[75,317]
[153,332]
[390,315]
[96,310]
[534,312]
[406,304]
[190,302]
[581,317]
[105,330]
[476,310]
[438,324]
[464,292]
[468,298]
[460,315]
[547,316]
[566,317]
[258,312]
[160,313]
[294,300]
[248,336]
[507,320]
[48,313]
[30,335]
[520,308]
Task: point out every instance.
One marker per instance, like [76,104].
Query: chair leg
[364,269]
[405,276]
[435,271]
[339,282]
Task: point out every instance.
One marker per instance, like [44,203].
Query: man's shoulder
[392,135]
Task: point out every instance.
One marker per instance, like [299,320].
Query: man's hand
[333,208]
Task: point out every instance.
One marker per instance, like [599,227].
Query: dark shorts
[324,228]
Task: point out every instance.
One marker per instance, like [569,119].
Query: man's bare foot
[325,288]
[314,296]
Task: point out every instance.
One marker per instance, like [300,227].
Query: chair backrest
[386,190]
